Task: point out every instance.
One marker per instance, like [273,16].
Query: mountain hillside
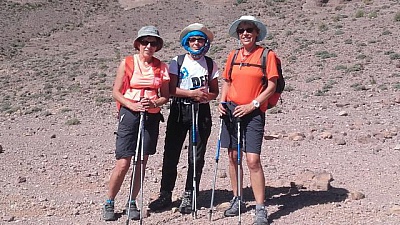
[332,146]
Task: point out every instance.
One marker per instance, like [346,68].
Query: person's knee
[233,157]
[122,165]
[254,163]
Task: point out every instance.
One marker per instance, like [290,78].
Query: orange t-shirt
[246,81]
[144,78]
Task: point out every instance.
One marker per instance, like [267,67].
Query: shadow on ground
[287,199]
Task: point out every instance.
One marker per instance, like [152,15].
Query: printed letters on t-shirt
[199,81]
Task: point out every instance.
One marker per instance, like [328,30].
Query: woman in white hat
[193,81]
[140,78]
[244,96]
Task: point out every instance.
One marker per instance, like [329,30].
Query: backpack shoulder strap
[263,59]
[129,66]
[210,65]
[156,67]
[232,63]
[179,63]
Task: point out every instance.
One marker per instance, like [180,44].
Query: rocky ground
[331,150]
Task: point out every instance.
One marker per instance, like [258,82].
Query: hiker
[244,96]
[150,77]
[192,81]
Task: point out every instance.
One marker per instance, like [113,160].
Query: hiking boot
[233,209]
[134,213]
[186,204]
[108,211]
[261,217]
[162,202]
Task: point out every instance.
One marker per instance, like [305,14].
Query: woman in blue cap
[193,81]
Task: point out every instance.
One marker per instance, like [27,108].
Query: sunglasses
[145,43]
[248,30]
[198,39]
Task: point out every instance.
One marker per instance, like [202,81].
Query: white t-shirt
[194,73]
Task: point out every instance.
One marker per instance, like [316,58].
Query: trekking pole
[194,150]
[135,158]
[239,186]
[215,168]
[142,118]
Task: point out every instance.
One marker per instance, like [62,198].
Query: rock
[343,113]
[326,135]
[75,212]
[313,181]
[376,149]
[223,206]
[1,149]
[8,218]
[223,174]
[356,195]
[388,134]
[146,212]
[322,181]
[340,141]
[296,136]
[364,139]
[320,2]
[21,180]
[395,210]
[341,105]
[273,137]
[53,136]
[175,209]
[397,147]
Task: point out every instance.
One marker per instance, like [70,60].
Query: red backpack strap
[126,80]
[263,59]
[129,68]
[156,67]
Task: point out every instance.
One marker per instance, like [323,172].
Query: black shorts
[251,130]
[127,134]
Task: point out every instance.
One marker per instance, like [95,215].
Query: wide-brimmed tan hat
[199,27]
[259,24]
[149,31]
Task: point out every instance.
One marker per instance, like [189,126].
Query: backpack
[209,61]
[129,68]
[280,83]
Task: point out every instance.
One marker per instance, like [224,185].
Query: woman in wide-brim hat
[246,98]
[141,84]
[194,82]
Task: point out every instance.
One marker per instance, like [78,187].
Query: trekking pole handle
[142,94]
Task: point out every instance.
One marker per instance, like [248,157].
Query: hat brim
[260,25]
[160,41]
[199,27]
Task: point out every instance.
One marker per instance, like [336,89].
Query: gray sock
[259,207]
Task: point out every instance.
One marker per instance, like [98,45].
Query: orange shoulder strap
[156,67]
[129,67]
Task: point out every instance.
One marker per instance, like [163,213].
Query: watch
[256,103]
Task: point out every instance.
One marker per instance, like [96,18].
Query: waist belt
[185,101]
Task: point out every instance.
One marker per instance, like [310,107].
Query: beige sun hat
[149,31]
[259,24]
[199,27]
